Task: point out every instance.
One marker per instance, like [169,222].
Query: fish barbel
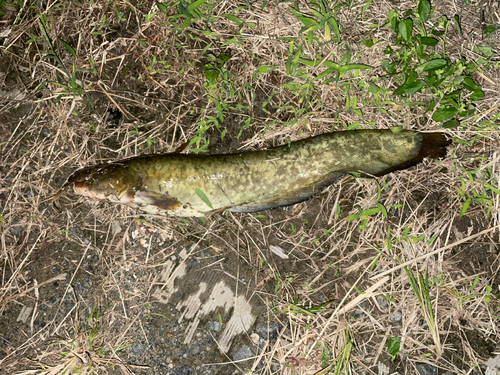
[195,185]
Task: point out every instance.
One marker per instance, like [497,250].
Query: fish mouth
[82,189]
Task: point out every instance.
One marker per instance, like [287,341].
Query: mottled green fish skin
[170,184]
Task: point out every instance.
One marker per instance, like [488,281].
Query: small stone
[426,369]
[382,302]
[255,338]
[195,349]
[383,369]
[493,365]
[16,230]
[214,326]
[269,330]
[396,317]
[182,370]
[242,354]
[137,349]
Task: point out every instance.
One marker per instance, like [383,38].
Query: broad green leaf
[211,75]
[393,346]
[405,28]
[490,29]
[428,41]
[469,111]
[393,19]
[485,50]
[389,66]
[382,209]
[400,90]
[195,5]
[451,124]
[433,65]
[414,87]
[224,56]
[476,95]
[369,43]
[430,80]
[437,32]
[411,77]
[162,7]
[424,9]
[470,85]
[444,114]
[203,197]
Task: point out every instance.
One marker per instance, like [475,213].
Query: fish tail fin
[433,146]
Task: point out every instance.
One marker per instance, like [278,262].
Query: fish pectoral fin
[161,200]
[217,210]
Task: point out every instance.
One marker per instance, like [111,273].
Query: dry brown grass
[159,89]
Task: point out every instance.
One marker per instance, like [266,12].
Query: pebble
[214,326]
[243,353]
[426,369]
[269,330]
[16,230]
[195,349]
[255,338]
[136,349]
[382,302]
[396,317]
[182,370]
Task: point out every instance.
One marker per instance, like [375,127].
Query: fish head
[114,182]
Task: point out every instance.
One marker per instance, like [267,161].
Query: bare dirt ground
[92,287]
